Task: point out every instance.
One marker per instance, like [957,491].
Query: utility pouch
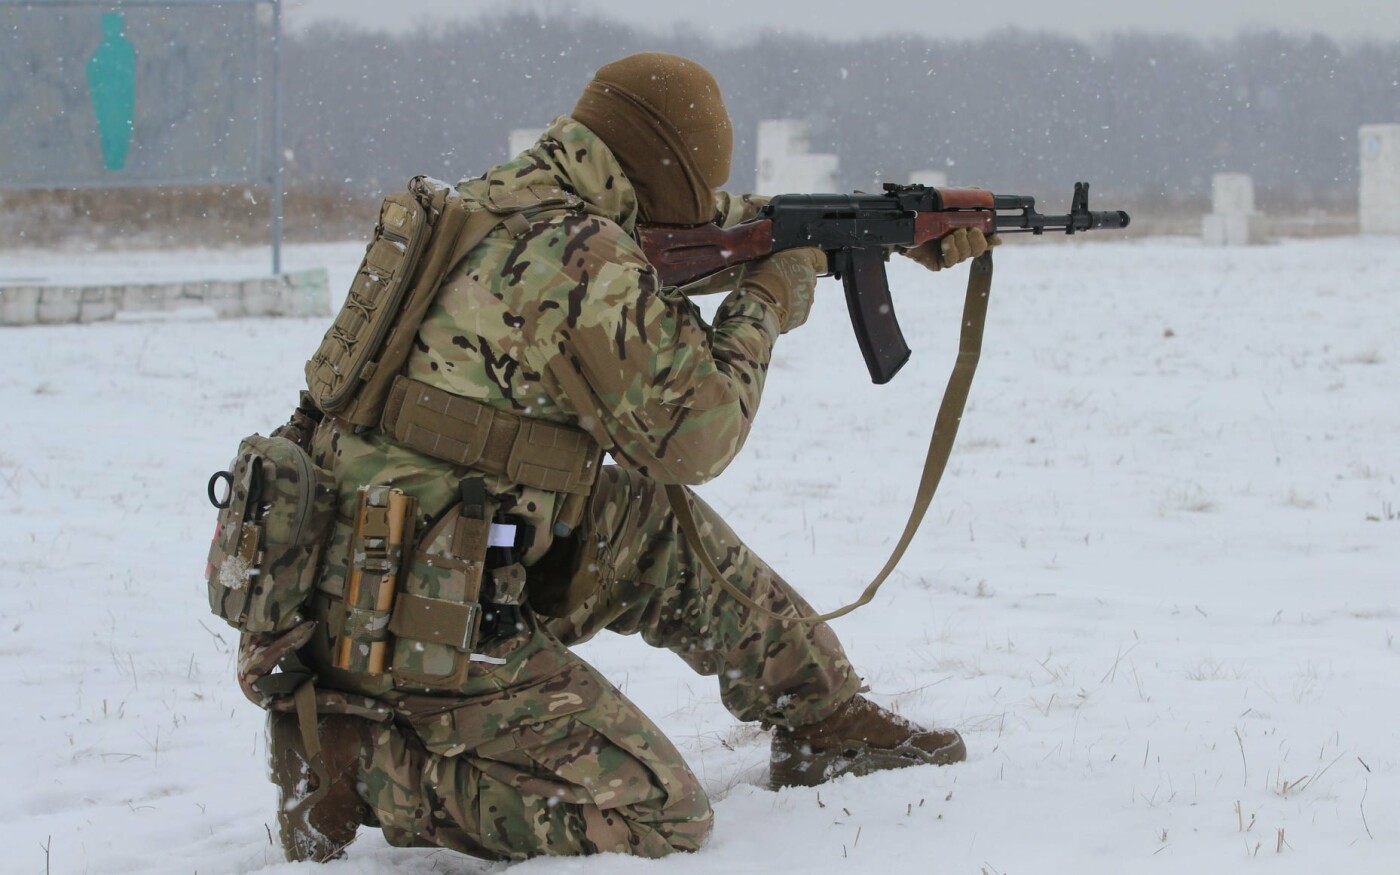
[383,532]
[275,512]
[346,356]
[436,621]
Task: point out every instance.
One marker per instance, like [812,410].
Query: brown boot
[313,825]
[860,738]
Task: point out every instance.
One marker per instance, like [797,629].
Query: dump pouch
[275,513]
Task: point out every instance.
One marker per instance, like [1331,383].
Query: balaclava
[664,120]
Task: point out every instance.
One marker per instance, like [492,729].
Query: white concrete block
[1232,194]
[306,293]
[784,164]
[522,139]
[225,298]
[1380,179]
[931,178]
[19,305]
[58,306]
[136,298]
[1219,229]
[97,304]
[260,297]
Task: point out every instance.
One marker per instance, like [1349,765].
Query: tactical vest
[397,608]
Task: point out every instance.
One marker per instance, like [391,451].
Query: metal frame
[274,180]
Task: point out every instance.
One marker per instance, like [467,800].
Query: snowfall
[1158,591]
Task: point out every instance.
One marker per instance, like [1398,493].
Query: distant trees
[1136,113]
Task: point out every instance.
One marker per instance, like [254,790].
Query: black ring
[228,478]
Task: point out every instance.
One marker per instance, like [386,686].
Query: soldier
[558,328]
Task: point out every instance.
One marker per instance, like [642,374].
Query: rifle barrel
[1034,223]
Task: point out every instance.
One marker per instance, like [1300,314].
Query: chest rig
[398,608]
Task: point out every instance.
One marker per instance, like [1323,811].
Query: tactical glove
[952,249]
[785,282]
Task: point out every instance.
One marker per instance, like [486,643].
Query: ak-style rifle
[858,232]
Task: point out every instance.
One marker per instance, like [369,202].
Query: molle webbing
[467,433]
[423,233]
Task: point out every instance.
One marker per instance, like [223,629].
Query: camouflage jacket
[569,323]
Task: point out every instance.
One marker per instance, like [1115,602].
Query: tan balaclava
[662,116]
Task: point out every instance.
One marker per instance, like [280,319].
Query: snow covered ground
[1158,592]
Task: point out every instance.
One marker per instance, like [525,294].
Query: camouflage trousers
[541,755]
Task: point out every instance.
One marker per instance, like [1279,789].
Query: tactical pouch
[346,355]
[436,621]
[383,532]
[273,521]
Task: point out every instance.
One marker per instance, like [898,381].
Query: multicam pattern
[535,753]
[651,582]
[555,762]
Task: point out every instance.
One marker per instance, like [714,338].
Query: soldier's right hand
[786,281]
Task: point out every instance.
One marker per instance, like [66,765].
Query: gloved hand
[952,249]
[785,281]
[731,209]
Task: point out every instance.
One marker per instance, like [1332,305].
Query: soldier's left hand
[952,249]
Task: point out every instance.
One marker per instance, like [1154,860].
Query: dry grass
[157,217]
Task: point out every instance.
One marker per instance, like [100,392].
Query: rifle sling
[945,430]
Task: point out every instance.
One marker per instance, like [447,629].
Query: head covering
[664,120]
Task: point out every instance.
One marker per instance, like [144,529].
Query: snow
[1157,591]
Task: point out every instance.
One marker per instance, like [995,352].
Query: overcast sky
[1340,19]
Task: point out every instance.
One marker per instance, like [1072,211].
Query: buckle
[471,629]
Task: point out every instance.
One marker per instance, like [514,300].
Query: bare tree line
[1139,114]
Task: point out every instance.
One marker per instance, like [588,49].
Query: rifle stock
[682,255]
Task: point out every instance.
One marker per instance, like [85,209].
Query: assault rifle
[858,232]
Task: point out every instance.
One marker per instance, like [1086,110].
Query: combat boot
[316,825]
[860,738]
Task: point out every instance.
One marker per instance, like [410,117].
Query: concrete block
[522,139]
[308,293]
[260,297]
[224,297]
[97,304]
[141,298]
[19,305]
[784,164]
[1232,194]
[59,306]
[931,178]
[1234,230]
[1234,221]
[1380,179]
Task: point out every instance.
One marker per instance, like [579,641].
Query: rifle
[857,232]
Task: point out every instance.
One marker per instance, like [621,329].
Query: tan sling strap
[945,430]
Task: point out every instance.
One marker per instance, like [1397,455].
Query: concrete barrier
[1380,179]
[1233,221]
[784,164]
[305,293]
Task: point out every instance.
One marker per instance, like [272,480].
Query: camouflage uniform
[540,754]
